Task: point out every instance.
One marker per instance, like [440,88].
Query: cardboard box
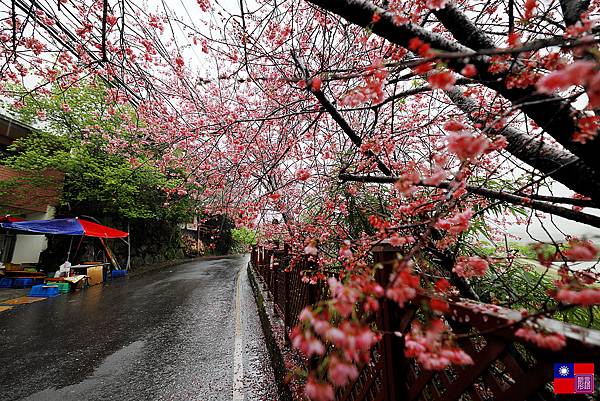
[95,275]
[11,267]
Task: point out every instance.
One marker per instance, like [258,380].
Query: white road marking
[238,349]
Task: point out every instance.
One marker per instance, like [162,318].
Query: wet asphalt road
[168,335]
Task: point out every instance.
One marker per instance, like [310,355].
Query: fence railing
[506,367]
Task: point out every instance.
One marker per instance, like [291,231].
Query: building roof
[11,129]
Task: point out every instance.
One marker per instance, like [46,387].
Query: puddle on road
[113,366]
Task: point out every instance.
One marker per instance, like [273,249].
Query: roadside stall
[69,276]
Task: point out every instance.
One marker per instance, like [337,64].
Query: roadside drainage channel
[274,333]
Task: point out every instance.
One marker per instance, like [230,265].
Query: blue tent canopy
[57,226]
[70,226]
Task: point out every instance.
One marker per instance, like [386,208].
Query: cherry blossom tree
[429,125]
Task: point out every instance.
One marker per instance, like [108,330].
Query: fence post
[262,264]
[388,320]
[271,272]
[275,275]
[254,257]
[283,265]
[259,260]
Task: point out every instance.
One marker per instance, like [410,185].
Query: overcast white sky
[555,225]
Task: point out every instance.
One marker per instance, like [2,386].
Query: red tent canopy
[10,219]
[98,230]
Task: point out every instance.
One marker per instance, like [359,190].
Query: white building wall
[29,247]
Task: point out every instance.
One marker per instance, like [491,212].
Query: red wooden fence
[506,368]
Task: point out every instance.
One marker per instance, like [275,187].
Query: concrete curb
[274,332]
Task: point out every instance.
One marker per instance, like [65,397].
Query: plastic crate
[119,273]
[22,282]
[63,287]
[6,282]
[44,291]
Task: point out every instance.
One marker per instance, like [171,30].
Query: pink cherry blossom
[593,90]
[431,349]
[529,8]
[341,373]
[204,4]
[467,146]
[469,71]
[580,250]
[306,315]
[318,391]
[336,336]
[586,296]
[371,91]
[442,80]
[345,252]
[344,296]
[436,178]
[587,129]
[472,266]
[397,240]
[577,73]
[306,342]
[406,182]
[315,84]
[456,224]
[404,287]
[302,174]
[552,341]
[455,126]
[436,4]
[311,248]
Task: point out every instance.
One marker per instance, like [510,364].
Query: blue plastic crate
[119,273]
[44,291]
[6,282]
[22,282]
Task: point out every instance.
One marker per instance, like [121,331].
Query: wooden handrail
[485,331]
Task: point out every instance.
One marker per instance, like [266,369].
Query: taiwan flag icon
[573,378]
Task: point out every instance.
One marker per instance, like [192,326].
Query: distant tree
[76,132]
